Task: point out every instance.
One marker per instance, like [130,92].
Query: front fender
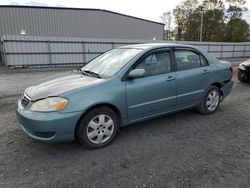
[111,92]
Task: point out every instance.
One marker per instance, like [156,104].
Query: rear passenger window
[186,59]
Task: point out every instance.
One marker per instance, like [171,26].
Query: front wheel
[211,101]
[242,76]
[97,128]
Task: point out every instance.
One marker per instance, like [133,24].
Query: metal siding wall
[66,59]
[66,47]
[228,48]
[239,47]
[215,48]
[90,57]
[248,51]
[204,47]
[227,54]
[49,51]
[239,54]
[216,54]
[17,47]
[20,60]
[1,53]
[58,50]
[97,47]
[75,23]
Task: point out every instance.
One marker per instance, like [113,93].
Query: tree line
[209,20]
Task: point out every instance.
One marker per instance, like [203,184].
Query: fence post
[245,46]
[49,53]
[1,52]
[83,50]
[4,56]
[233,49]
[113,45]
[221,51]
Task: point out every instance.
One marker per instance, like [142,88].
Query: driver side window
[156,63]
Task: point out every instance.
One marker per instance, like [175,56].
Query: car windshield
[110,63]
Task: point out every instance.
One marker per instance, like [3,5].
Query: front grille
[25,101]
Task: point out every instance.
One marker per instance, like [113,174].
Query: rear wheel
[242,76]
[98,127]
[211,101]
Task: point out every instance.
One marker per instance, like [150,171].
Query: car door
[192,72]
[155,92]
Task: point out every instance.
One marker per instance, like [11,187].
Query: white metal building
[75,22]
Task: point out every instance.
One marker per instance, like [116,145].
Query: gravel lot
[185,149]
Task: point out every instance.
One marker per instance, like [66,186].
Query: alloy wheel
[100,129]
[212,100]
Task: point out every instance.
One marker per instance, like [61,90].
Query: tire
[241,76]
[211,101]
[97,128]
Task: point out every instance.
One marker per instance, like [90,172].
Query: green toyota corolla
[120,87]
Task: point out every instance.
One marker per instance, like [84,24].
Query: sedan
[120,87]
[244,71]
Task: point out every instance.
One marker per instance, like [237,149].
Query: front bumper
[227,88]
[48,127]
[246,73]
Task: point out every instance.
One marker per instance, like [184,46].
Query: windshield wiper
[86,72]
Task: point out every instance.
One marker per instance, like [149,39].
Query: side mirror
[136,73]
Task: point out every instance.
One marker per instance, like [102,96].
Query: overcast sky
[150,10]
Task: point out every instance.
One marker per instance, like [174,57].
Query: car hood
[59,84]
[246,63]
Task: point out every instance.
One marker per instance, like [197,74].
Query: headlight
[242,67]
[49,104]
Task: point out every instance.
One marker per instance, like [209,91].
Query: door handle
[205,71]
[170,78]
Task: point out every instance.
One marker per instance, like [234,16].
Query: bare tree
[166,19]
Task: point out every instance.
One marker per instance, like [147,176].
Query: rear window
[186,59]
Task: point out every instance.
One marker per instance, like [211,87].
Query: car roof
[147,46]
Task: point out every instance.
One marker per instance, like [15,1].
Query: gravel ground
[185,149]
